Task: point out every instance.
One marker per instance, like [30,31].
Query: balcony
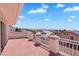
[27,44]
[23,47]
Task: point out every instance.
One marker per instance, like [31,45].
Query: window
[70,45]
[64,43]
[72,38]
[64,33]
[67,45]
[78,48]
[75,47]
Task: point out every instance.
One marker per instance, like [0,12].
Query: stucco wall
[15,35]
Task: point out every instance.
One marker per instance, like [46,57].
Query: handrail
[70,41]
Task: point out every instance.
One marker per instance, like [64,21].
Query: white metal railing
[41,40]
[70,41]
[44,40]
[66,46]
[69,47]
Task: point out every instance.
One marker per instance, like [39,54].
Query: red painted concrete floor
[23,47]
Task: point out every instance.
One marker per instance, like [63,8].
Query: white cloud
[72,17]
[74,8]
[21,16]
[68,9]
[32,11]
[70,20]
[46,20]
[59,5]
[44,6]
[40,10]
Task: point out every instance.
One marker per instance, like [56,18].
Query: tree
[18,30]
[34,31]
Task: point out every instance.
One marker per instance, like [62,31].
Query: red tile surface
[23,47]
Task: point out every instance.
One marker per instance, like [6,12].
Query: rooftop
[76,32]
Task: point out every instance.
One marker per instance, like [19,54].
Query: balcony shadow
[37,45]
[29,40]
[53,54]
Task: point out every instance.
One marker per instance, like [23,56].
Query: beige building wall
[8,15]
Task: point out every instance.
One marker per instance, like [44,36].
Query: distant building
[72,35]
[11,28]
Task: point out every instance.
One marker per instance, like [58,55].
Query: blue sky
[49,16]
